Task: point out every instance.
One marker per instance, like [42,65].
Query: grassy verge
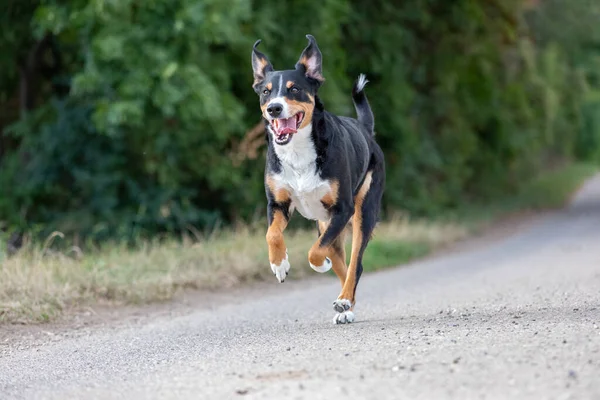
[550,190]
[38,284]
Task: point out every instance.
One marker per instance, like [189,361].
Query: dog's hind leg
[318,255]
[366,212]
[336,253]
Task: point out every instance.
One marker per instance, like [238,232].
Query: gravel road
[516,318]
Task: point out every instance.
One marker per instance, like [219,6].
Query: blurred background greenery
[122,119]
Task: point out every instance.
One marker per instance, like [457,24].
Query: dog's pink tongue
[286,126]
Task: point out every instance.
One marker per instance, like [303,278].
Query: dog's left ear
[311,60]
[260,65]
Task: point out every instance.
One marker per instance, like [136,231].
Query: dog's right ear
[260,65]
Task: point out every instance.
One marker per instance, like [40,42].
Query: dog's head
[287,98]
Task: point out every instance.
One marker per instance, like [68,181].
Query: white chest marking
[300,177]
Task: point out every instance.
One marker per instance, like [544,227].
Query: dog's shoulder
[345,133]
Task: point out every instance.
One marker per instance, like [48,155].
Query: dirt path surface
[516,318]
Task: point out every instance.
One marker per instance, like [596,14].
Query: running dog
[327,167]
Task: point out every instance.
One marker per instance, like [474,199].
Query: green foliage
[553,190]
[70,166]
[385,253]
[579,41]
[469,98]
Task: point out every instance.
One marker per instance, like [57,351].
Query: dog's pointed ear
[260,65]
[311,60]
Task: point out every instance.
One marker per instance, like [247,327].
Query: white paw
[347,317]
[323,268]
[281,270]
[341,305]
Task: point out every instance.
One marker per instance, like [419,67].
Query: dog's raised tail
[361,104]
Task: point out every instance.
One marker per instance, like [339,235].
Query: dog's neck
[300,153]
[319,104]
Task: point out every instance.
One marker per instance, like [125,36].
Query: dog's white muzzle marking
[285,113]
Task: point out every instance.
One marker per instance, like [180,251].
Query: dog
[327,167]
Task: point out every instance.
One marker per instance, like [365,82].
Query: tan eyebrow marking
[289,84]
[269,86]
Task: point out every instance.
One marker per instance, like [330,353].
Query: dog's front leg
[317,256]
[278,215]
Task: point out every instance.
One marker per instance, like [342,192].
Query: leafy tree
[128,118]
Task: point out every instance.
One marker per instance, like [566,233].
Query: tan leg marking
[337,254]
[357,240]
[274,236]
[317,253]
[332,196]
[281,195]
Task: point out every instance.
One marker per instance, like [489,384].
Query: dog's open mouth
[284,128]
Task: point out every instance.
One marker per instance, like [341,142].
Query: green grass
[550,190]
[384,253]
[39,284]
[554,189]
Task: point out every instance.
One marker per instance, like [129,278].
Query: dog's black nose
[275,109]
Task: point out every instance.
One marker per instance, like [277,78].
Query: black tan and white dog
[327,167]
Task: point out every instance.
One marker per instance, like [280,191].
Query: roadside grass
[550,190]
[38,284]
[554,189]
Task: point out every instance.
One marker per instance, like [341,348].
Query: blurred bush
[124,118]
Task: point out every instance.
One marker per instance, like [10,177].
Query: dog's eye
[266,91]
[294,89]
